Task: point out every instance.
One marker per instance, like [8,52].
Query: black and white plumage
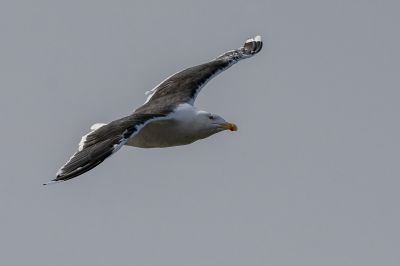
[167,118]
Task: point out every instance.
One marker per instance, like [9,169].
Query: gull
[167,118]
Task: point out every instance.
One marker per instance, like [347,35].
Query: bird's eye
[211,117]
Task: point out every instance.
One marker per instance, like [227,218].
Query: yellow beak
[230,126]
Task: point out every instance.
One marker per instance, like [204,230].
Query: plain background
[310,178]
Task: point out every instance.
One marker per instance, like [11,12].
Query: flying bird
[167,118]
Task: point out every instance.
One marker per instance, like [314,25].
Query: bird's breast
[164,133]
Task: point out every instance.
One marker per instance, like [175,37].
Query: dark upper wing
[184,86]
[99,144]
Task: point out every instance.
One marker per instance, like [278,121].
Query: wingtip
[256,38]
[52,182]
[253,45]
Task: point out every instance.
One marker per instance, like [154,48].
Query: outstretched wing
[184,86]
[102,142]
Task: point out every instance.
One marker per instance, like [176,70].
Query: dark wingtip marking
[253,46]
[53,181]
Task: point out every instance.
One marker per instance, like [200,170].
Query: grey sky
[310,178]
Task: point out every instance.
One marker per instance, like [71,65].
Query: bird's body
[182,128]
[167,118]
[162,134]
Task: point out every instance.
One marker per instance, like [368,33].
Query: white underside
[180,128]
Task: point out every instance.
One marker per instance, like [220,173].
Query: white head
[208,124]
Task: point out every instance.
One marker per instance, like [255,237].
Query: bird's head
[212,123]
